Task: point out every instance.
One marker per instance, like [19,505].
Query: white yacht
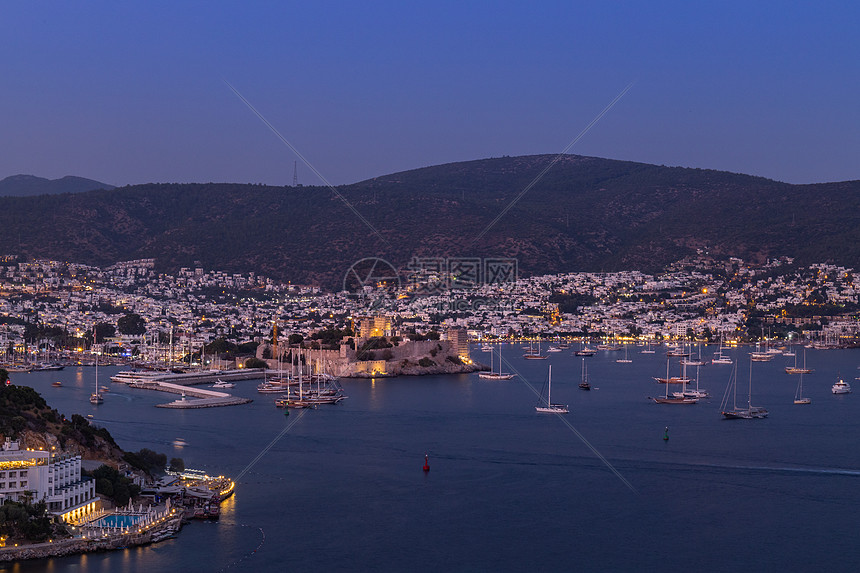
[127,376]
[841,387]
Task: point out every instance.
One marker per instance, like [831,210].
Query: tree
[104,330]
[177,465]
[255,363]
[131,323]
[4,375]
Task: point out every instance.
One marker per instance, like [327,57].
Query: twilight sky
[130,94]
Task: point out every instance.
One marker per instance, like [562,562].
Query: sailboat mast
[667,378]
[735,388]
[549,387]
[749,396]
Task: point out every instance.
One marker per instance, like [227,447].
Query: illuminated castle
[372,326]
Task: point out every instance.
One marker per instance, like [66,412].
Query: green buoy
[666,434]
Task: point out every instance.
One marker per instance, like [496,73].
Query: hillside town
[697,299]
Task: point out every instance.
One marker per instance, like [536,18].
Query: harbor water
[341,488]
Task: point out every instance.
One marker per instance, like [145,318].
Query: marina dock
[203,398]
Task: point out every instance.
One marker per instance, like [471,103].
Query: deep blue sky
[134,94]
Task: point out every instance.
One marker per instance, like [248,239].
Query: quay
[190,378]
[204,398]
[183,404]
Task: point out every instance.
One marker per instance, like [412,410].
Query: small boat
[179,443]
[624,360]
[57,384]
[841,387]
[208,511]
[104,389]
[548,407]
[222,384]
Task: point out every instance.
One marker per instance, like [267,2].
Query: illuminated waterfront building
[38,475]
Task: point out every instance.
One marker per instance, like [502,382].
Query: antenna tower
[295,174]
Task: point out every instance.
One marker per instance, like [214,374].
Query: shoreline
[77,545]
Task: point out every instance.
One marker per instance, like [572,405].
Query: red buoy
[426,467]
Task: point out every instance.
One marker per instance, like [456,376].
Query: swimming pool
[117,521]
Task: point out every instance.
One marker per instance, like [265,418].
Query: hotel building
[37,475]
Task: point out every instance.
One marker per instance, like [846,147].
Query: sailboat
[697,393]
[95,397]
[718,356]
[584,350]
[548,406]
[492,374]
[695,361]
[648,350]
[532,354]
[798,395]
[736,413]
[795,370]
[624,360]
[676,398]
[584,385]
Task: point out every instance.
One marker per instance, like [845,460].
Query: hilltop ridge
[586,213]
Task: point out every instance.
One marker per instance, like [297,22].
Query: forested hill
[585,214]
[26,185]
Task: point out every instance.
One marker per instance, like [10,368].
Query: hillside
[585,214]
[27,185]
[25,416]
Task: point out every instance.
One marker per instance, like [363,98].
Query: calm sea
[509,489]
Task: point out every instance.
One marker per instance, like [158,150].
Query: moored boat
[841,387]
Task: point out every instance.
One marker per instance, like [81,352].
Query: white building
[39,475]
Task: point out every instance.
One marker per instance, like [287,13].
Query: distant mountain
[586,213]
[26,185]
